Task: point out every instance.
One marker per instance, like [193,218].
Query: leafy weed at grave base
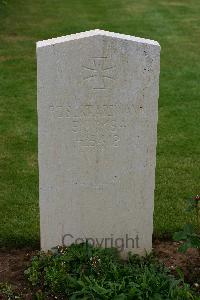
[84,272]
[190,234]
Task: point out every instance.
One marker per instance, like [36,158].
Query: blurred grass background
[176,26]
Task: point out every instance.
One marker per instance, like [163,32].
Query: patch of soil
[12,266]
[14,262]
[188,263]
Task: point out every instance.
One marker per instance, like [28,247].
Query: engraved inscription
[95,126]
[93,110]
[99,71]
[103,134]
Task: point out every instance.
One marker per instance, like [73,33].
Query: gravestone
[97,119]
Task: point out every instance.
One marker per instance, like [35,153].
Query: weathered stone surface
[97,118]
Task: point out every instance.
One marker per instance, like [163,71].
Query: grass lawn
[174,23]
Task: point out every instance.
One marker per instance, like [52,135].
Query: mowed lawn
[174,23]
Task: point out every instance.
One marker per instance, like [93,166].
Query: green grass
[174,23]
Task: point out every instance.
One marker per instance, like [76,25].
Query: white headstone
[97,115]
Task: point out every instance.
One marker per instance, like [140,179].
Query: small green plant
[190,234]
[84,272]
[6,292]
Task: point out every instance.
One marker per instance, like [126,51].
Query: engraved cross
[98,73]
